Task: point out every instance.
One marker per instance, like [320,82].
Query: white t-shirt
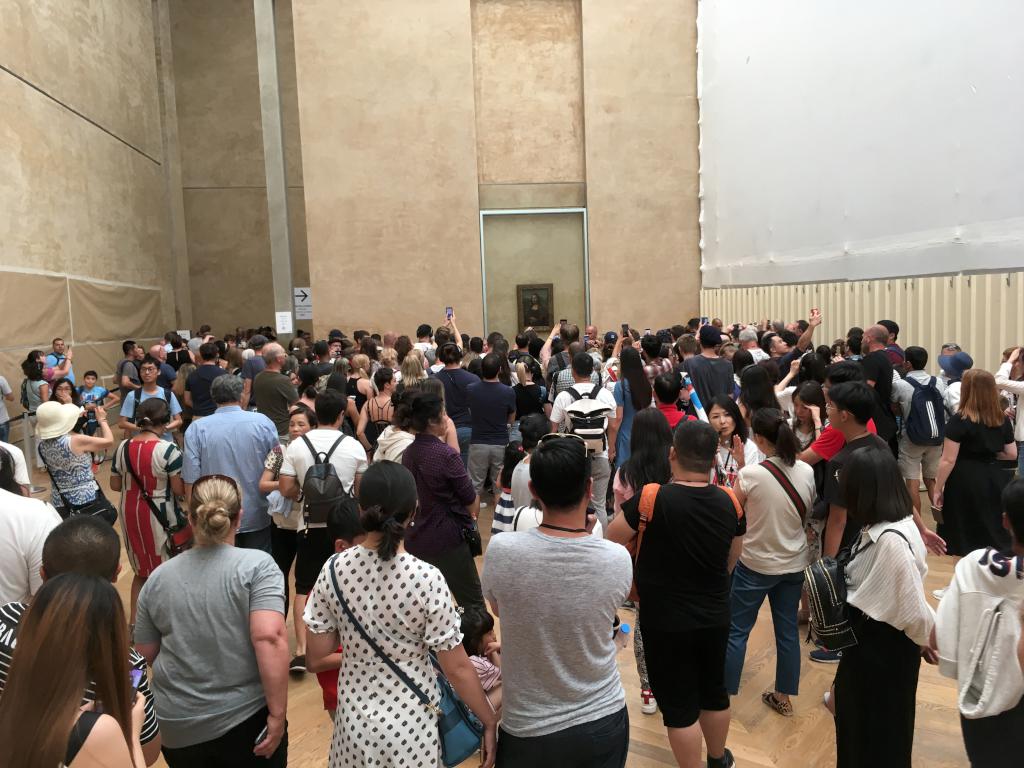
[527,517]
[349,458]
[775,542]
[423,346]
[564,400]
[20,468]
[24,525]
[5,389]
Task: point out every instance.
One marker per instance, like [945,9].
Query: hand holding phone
[448,312]
[135,679]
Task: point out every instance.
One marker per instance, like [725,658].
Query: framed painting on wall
[536,303]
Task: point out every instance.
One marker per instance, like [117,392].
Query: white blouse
[885,579]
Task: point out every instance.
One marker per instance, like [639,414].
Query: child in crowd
[504,513]
[667,388]
[92,395]
[344,527]
[484,651]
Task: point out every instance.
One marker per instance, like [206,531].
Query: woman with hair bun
[156,463]
[777,496]
[406,606]
[211,624]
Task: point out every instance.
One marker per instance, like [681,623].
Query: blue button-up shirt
[235,443]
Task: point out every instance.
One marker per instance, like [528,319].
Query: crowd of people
[693,472]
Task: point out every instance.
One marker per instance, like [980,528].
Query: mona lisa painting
[536,306]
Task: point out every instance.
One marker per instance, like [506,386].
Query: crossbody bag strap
[735,501]
[157,513]
[373,643]
[648,496]
[775,471]
[53,480]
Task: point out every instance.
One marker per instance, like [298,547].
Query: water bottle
[622,635]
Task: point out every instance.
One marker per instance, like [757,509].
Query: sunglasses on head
[552,436]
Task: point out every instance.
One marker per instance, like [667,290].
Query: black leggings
[284,544]
[231,750]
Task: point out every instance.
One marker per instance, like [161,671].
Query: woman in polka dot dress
[405,605]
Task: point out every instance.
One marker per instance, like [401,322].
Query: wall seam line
[74,111]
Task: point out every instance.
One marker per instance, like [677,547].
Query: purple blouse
[444,491]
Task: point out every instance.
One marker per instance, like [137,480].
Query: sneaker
[725,761]
[938,593]
[822,656]
[648,704]
[298,665]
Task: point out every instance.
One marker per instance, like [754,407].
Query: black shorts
[687,672]
[314,548]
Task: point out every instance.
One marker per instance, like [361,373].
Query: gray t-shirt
[557,646]
[205,678]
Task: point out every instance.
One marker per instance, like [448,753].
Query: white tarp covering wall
[844,141]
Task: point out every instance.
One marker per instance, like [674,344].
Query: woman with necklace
[148,458]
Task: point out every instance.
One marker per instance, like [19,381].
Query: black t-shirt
[978,442]
[710,377]
[833,494]
[878,368]
[683,564]
[456,383]
[528,400]
[178,358]
[198,384]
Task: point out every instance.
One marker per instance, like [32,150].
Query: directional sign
[303,303]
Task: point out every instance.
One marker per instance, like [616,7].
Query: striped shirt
[10,618]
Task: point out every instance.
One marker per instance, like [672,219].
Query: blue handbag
[459,730]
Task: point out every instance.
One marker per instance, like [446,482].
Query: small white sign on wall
[284,322]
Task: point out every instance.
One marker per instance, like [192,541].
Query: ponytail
[771,424]
[387,500]
[521,371]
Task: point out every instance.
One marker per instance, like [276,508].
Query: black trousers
[283,545]
[459,569]
[603,743]
[992,742]
[876,695]
[232,750]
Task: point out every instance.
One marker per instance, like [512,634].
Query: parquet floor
[759,738]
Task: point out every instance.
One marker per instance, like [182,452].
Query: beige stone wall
[567,104]
[83,235]
[639,85]
[388,130]
[223,174]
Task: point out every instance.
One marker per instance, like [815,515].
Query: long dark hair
[387,499]
[75,397]
[757,390]
[771,424]
[809,393]
[7,481]
[631,372]
[80,620]
[874,490]
[649,445]
[514,453]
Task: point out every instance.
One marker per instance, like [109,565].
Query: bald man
[167,374]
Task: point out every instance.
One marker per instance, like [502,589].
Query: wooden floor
[758,737]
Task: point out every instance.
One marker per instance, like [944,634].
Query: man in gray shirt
[563,700]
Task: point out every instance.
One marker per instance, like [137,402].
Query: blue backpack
[926,422]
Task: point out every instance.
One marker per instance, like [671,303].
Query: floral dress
[405,605]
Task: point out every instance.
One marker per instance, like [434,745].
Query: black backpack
[830,625]
[322,489]
[926,422]
[137,398]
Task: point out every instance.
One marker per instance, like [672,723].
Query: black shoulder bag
[99,507]
[179,534]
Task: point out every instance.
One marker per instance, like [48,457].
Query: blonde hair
[214,509]
[523,373]
[388,357]
[412,369]
[361,366]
